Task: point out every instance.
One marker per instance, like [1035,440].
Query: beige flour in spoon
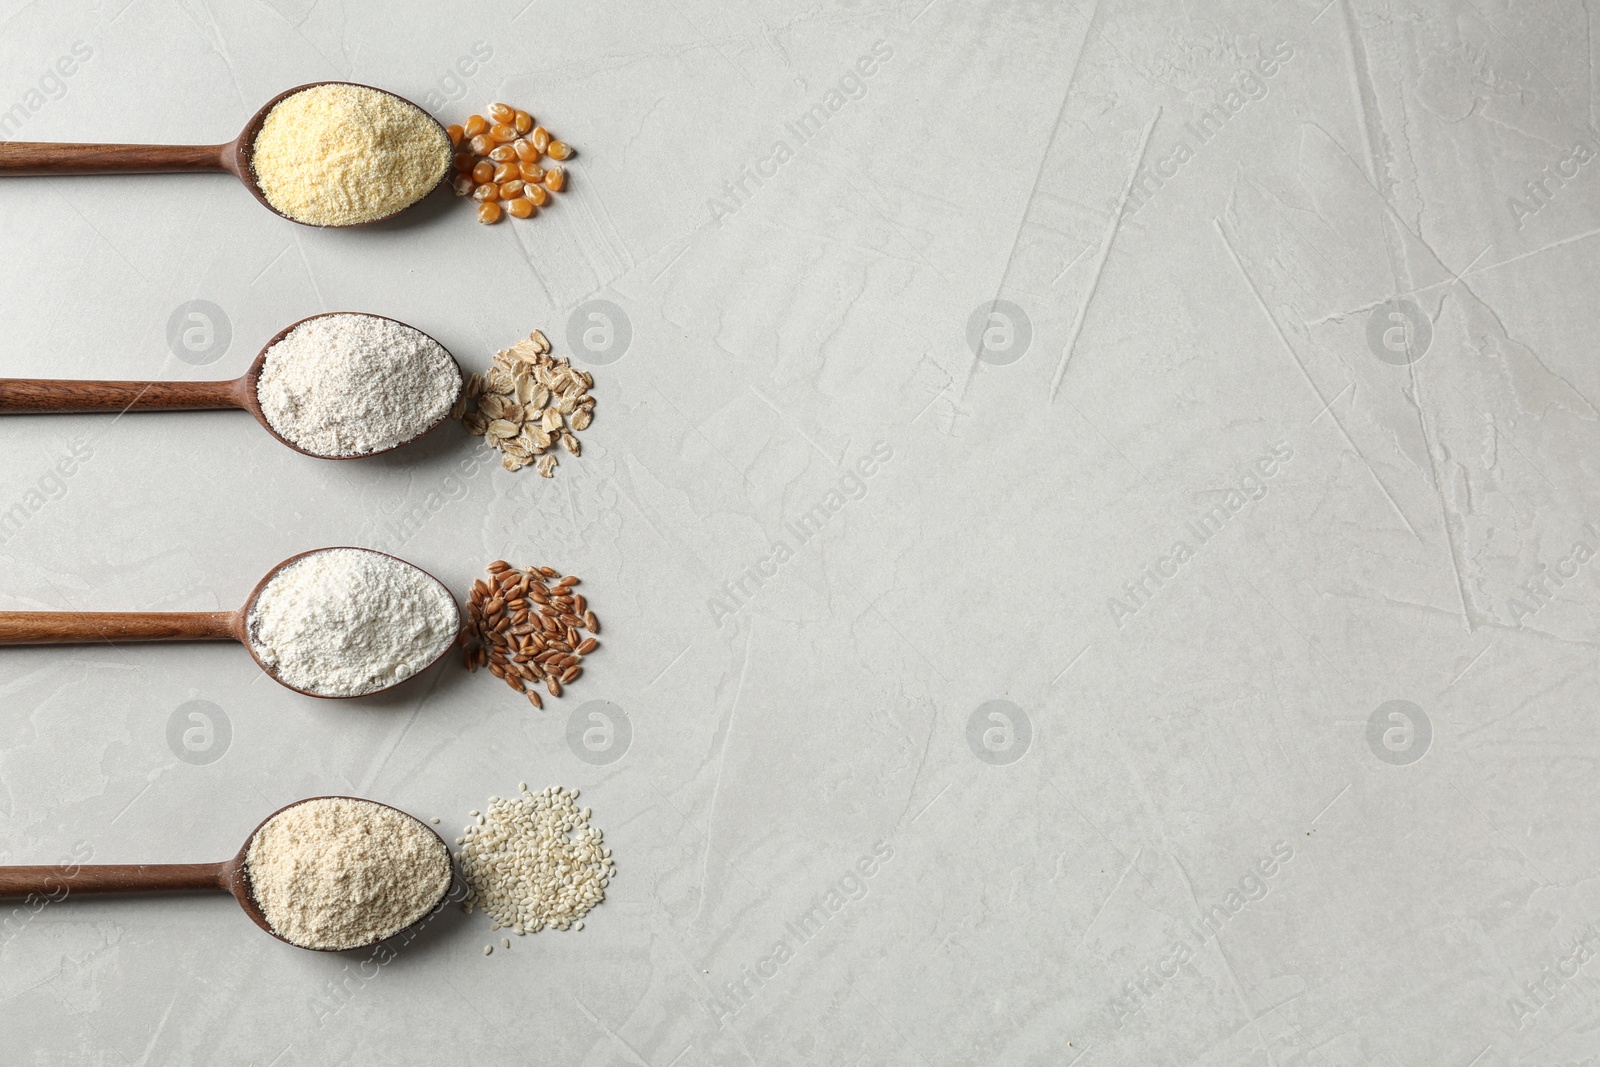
[338,872]
[348,621]
[340,155]
[347,384]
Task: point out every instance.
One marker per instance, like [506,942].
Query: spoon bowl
[239,154]
[243,631]
[40,396]
[236,875]
[40,158]
[56,883]
[112,627]
[250,384]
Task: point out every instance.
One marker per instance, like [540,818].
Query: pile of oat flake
[528,403]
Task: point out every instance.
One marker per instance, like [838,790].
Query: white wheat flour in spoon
[347,621]
[348,384]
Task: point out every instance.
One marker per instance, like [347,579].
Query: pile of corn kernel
[497,162]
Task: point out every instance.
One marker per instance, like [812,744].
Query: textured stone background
[1202,675]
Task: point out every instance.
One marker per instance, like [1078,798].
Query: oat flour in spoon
[347,384]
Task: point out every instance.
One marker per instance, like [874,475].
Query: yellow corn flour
[338,155]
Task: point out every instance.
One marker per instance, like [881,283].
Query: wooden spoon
[38,158]
[42,396]
[56,883]
[90,627]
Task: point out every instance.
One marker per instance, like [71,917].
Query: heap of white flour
[347,384]
[347,621]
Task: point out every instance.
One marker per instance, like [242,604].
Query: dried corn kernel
[500,161]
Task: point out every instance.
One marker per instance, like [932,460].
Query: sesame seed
[534,861]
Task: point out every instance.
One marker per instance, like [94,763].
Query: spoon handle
[45,157]
[88,627]
[40,395]
[56,883]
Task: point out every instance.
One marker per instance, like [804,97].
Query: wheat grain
[524,628]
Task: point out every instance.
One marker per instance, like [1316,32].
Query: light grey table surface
[1226,379]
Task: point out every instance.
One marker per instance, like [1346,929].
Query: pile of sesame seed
[534,861]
